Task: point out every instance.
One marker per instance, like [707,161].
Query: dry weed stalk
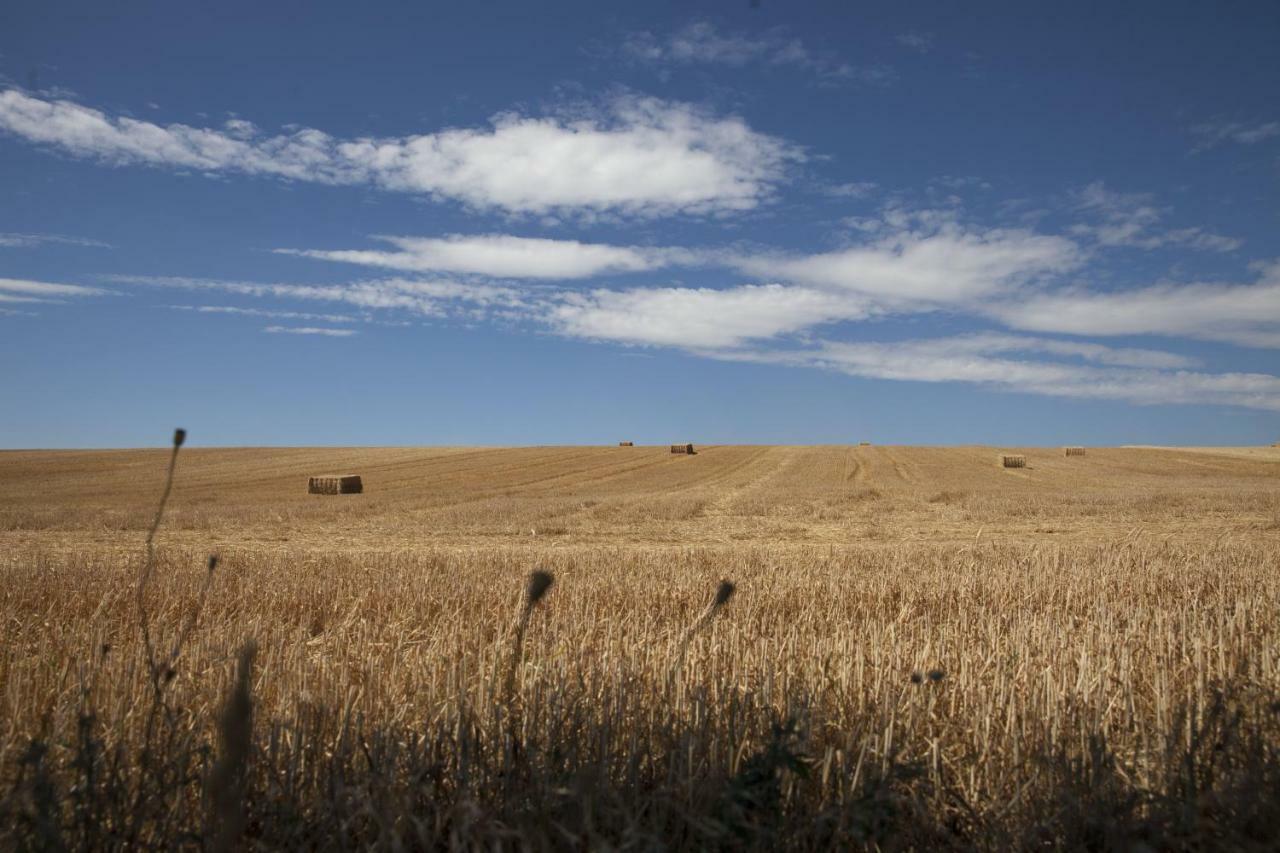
[724,592]
[537,586]
[225,789]
[148,565]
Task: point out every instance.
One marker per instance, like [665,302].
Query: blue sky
[582,222]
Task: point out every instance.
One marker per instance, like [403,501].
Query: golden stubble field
[923,647]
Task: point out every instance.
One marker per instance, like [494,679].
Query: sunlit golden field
[923,647]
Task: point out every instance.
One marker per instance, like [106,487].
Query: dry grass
[1108,685]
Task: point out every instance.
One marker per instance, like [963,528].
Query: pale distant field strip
[416,497]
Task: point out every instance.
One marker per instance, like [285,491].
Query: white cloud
[699,317]
[1131,219]
[502,256]
[309,330]
[11,240]
[1212,134]
[929,262]
[701,43]
[1245,314]
[23,290]
[981,360]
[641,156]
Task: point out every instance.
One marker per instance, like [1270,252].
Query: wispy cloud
[985,361]
[919,42]
[23,290]
[699,317]
[1244,314]
[924,259]
[636,156]
[853,189]
[502,256]
[309,330]
[11,240]
[262,312]
[1213,134]
[701,43]
[421,298]
[1133,220]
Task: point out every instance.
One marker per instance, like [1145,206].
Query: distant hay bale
[1013,461]
[1073,451]
[864,444]
[626,444]
[683,449]
[335,484]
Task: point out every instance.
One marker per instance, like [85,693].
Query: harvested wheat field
[919,648]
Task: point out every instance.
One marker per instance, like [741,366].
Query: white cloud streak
[422,298]
[24,290]
[262,312]
[309,330]
[640,156]
[502,256]
[11,240]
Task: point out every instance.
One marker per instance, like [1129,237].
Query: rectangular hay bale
[1013,461]
[335,484]
[626,444]
[1073,451]
[683,449]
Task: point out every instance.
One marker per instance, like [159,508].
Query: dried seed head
[916,678]
[213,562]
[539,583]
[106,649]
[724,592]
[179,436]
